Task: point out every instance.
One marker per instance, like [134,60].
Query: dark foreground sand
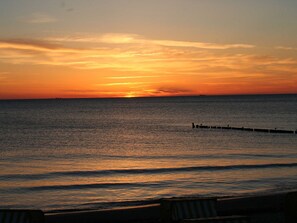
[271,208]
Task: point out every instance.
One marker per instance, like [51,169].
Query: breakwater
[201,126]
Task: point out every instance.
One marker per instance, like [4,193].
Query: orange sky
[49,60]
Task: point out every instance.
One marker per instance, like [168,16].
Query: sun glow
[133,66]
[131,95]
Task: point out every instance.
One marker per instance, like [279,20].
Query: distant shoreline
[144,97]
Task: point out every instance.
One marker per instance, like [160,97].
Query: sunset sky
[132,48]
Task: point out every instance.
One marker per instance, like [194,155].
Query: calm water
[68,154]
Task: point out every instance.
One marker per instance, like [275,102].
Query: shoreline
[269,207]
[102,206]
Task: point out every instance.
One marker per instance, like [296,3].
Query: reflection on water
[82,153]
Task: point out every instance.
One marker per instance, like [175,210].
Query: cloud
[80,91]
[131,65]
[132,38]
[91,93]
[140,62]
[28,44]
[123,83]
[39,18]
[171,91]
[285,48]
[201,45]
[122,38]
[133,77]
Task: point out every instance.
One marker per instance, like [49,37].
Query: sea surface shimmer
[96,153]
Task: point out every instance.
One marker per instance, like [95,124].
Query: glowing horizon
[42,57]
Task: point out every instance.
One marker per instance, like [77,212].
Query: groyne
[201,126]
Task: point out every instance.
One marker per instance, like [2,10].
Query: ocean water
[101,153]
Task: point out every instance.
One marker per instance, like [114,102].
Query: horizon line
[140,97]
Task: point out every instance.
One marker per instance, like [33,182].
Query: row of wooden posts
[201,126]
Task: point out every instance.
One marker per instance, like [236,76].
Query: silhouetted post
[193,125]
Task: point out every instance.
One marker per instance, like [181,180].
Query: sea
[78,154]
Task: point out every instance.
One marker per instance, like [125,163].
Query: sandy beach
[270,208]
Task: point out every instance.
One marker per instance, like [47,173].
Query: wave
[87,186]
[157,184]
[200,156]
[98,173]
